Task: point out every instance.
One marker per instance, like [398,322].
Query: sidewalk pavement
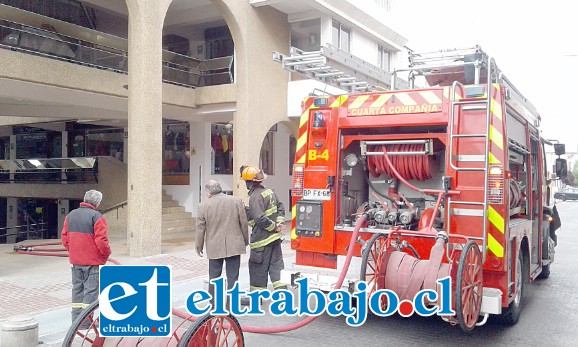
[40,286]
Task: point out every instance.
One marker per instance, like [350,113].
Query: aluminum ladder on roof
[338,68]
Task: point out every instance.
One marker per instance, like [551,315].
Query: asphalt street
[549,316]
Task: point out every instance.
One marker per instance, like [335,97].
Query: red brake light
[297,184]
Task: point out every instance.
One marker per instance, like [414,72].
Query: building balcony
[99,50]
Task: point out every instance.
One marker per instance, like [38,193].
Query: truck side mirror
[561,167]
[559,148]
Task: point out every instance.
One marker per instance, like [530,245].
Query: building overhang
[366,16]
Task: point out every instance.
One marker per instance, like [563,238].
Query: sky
[534,43]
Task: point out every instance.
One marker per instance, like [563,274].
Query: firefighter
[266,215]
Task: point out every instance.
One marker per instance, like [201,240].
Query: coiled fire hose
[410,167]
[34,250]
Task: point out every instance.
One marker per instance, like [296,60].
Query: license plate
[316,194]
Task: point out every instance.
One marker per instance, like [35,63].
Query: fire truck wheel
[469,284]
[214,331]
[512,313]
[371,260]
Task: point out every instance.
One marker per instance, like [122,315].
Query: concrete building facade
[157,96]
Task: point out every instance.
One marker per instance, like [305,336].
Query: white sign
[316,194]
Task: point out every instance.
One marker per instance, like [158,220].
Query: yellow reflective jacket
[265,212]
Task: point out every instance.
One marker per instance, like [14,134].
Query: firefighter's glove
[280,227]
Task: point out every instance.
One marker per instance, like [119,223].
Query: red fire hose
[303,322]
[34,250]
[410,167]
[44,249]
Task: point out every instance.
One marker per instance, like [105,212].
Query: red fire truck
[452,180]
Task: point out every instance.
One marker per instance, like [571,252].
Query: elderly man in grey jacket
[223,231]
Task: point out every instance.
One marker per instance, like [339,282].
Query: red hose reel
[419,167]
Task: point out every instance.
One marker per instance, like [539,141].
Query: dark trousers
[232,265]
[266,262]
[84,288]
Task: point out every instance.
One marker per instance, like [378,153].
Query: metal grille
[496,184]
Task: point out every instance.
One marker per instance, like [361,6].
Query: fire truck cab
[462,158]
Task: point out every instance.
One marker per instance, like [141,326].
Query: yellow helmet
[252,173]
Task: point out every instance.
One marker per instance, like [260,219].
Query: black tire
[188,335]
[563,198]
[512,314]
[365,256]
[545,272]
[71,334]
[546,250]
[369,255]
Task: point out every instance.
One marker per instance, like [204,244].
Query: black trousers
[266,262]
[232,265]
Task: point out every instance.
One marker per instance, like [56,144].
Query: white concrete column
[125,145]
[145,25]
[63,154]
[64,151]
[12,153]
[261,82]
[12,146]
[63,209]
[11,218]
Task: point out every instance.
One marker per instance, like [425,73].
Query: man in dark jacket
[267,217]
[84,236]
[222,230]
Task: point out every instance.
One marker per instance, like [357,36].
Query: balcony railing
[113,56]
[54,170]
[31,229]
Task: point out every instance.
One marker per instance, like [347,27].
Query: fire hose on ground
[40,250]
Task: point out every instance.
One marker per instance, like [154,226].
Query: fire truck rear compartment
[369,184]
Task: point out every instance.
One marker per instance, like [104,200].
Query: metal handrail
[27,231]
[114,207]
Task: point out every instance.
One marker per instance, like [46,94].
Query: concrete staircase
[175,218]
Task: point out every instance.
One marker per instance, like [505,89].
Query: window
[292,148]
[222,149]
[306,34]
[383,56]
[267,148]
[340,36]
[176,150]
[104,142]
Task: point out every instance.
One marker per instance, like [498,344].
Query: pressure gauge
[351,160]
[309,209]
[302,208]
